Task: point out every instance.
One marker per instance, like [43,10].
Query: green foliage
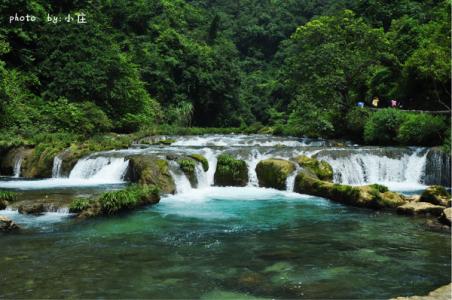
[8,196]
[422,129]
[157,65]
[382,126]
[79,204]
[356,120]
[116,201]
[187,165]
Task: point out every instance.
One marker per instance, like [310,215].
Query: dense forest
[291,67]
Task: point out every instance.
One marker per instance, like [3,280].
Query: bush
[132,196]
[355,121]
[422,130]
[382,126]
[8,196]
[79,204]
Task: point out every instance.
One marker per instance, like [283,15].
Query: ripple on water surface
[229,242]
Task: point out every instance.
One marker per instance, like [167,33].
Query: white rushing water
[106,169]
[363,168]
[56,168]
[180,179]
[17,166]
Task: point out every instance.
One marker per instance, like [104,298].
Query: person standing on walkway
[375,101]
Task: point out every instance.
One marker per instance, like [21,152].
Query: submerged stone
[32,208]
[151,170]
[7,224]
[230,171]
[272,173]
[446,216]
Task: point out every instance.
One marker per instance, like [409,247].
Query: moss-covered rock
[230,171]
[420,208]
[370,196]
[188,165]
[272,173]
[320,168]
[114,202]
[200,158]
[8,160]
[39,162]
[436,195]
[151,170]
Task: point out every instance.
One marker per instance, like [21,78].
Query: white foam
[54,183]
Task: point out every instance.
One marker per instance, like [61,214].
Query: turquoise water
[226,242]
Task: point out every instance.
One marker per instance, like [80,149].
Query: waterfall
[180,179]
[362,167]
[252,161]
[108,169]
[438,168]
[201,176]
[211,157]
[290,181]
[56,168]
[17,166]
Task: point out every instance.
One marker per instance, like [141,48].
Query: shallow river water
[232,243]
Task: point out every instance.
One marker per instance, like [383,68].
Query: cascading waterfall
[108,169]
[56,168]
[290,181]
[180,179]
[211,157]
[362,168]
[254,158]
[17,166]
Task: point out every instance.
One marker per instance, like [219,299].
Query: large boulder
[7,225]
[230,171]
[272,173]
[436,195]
[320,168]
[420,208]
[151,170]
[446,216]
[370,196]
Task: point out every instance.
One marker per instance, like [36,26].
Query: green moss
[379,187]
[436,194]
[202,160]
[274,172]
[230,171]
[151,170]
[187,165]
[321,169]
